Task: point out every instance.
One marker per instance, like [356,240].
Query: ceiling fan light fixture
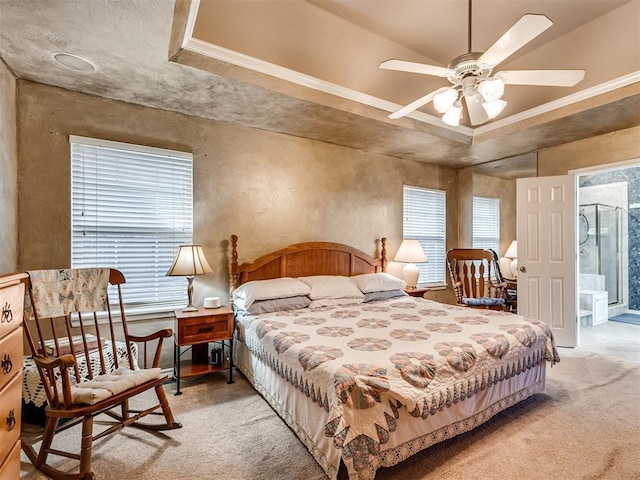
[443,101]
[494,107]
[491,88]
[452,116]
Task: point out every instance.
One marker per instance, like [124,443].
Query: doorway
[609,242]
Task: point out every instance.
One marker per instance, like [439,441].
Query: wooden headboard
[305,259]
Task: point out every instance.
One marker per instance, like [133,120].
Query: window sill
[433,286]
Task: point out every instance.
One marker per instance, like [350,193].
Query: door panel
[547,254]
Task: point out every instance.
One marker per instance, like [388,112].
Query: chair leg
[47,437]
[86,447]
[124,408]
[166,409]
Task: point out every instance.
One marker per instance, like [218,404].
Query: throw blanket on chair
[57,293]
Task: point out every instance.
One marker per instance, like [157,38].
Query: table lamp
[512,253]
[189,262]
[410,252]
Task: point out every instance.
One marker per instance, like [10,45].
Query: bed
[369,377]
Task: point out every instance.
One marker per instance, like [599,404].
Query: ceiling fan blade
[416,104]
[477,114]
[551,78]
[522,32]
[413,67]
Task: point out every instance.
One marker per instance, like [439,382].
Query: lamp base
[190,307]
[514,267]
[410,274]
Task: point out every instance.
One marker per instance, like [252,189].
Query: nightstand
[416,292]
[196,330]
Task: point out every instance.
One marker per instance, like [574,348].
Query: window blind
[132,206]
[486,223]
[424,218]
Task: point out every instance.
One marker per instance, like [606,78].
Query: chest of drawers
[11,306]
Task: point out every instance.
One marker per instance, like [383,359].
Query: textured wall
[8,172]
[608,148]
[269,189]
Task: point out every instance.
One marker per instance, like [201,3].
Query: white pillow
[377,282]
[331,286]
[255,290]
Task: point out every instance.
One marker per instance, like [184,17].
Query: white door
[547,262]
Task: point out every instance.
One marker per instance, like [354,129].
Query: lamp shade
[189,261]
[512,251]
[410,251]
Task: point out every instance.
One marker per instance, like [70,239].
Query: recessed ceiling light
[74,62]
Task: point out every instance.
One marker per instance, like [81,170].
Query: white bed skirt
[412,434]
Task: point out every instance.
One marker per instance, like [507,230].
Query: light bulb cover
[443,101]
[494,107]
[452,117]
[491,88]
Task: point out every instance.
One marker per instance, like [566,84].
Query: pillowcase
[377,282]
[332,286]
[335,302]
[285,287]
[375,296]
[279,304]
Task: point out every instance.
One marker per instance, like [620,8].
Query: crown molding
[283,73]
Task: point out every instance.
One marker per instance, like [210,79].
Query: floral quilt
[363,363]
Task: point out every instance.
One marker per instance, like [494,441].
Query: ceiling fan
[471,75]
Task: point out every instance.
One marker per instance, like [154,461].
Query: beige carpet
[586,425]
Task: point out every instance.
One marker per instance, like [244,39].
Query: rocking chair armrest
[160,335]
[164,333]
[49,363]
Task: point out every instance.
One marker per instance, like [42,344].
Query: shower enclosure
[600,237]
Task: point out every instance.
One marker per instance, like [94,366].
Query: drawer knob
[205,329]
[7,365]
[7,314]
[11,420]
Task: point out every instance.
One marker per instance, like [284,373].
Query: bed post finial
[233,267]
[383,254]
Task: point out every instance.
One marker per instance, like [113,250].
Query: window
[486,223]
[424,218]
[131,206]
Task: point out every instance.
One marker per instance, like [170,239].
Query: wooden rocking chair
[87,362]
[473,279]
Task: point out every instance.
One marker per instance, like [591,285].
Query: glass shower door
[609,249]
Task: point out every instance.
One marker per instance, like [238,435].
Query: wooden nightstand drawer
[10,356]
[11,305]
[195,330]
[204,325]
[10,414]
